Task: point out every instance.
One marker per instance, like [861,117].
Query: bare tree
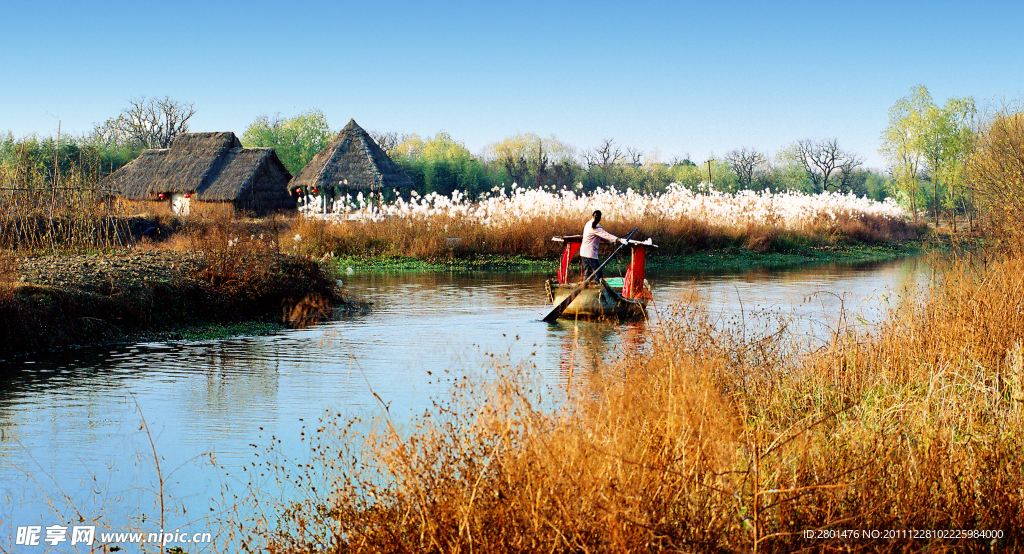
[386,141]
[608,154]
[636,157]
[745,163]
[821,159]
[602,162]
[846,174]
[541,165]
[152,123]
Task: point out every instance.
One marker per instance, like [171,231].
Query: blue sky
[673,78]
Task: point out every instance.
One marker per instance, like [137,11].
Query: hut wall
[136,207]
[212,210]
[196,209]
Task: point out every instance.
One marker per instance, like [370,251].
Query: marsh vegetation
[725,436]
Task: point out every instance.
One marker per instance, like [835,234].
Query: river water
[81,433]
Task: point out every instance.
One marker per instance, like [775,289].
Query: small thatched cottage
[204,172]
[351,162]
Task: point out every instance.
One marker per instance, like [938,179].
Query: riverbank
[739,259]
[159,294]
[727,259]
[129,295]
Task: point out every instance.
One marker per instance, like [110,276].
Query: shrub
[996,173]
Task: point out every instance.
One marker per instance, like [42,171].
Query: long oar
[561,306]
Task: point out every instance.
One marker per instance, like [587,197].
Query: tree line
[928,148]
[442,164]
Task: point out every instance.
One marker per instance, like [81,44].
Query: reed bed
[219,271]
[791,210]
[721,438]
[243,260]
[522,221]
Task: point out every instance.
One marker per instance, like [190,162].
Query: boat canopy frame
[633,284]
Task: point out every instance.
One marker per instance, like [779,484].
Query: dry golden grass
[428,238]
[243,260]
[864,228]
[720,439]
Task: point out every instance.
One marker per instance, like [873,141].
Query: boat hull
[598,300]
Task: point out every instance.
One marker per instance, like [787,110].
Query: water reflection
[813,302]
[70,422]
[586,345]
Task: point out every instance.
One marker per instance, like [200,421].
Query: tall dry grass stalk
[57,212]
[719,439]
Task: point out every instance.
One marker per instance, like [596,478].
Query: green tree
[921,135]
[441,164]
[901,142]
[70,164]
[723,178]
[946,144]
[443,148]
[408,148]
[448,166]
[295,140]
[685,173]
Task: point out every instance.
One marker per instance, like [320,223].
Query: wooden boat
[616,298]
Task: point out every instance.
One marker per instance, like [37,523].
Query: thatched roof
[237,171]
[213,167]
[353,160]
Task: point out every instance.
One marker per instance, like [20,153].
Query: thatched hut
[205,172]
[351,162]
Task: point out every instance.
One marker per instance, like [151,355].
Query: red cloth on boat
[633,284]
[567,256]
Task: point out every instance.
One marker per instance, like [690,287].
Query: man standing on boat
[593,234]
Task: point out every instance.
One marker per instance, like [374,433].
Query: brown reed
[431,237]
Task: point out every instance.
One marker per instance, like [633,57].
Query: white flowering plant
[517,220]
